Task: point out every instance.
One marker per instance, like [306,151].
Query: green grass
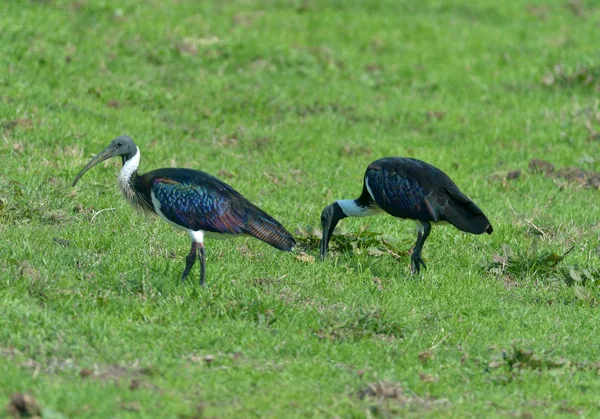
[288,101]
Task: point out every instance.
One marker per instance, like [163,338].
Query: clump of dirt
[576,7]
[266,282]
[382,390]
[584,178]
[225,174]
[116,372]
[504,176]
[581,76]
[22,123]
[541,166]
[305,257]
[131,406]
[513,174]
[436,115]
[519,357]
[512,265]
[352,151]
[429,378]
[61,242]
[391,396]
[426,356]
[23,405]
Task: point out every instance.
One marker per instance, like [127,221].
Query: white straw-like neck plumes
[129,168]
[352,209]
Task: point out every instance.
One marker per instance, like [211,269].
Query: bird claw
[415,264]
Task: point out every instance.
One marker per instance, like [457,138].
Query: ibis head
[121,146]
[330,216]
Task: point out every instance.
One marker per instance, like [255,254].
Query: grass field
[288,101]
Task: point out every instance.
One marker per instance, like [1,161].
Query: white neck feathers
[352,209]
[129,168]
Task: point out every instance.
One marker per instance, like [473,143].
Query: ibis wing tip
[278,237]
[288,244]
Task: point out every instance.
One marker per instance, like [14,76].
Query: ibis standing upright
[411,189]
[191,200]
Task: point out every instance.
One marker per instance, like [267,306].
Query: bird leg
[190,259]
[415,259]
[202,257]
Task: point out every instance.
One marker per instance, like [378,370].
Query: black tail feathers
[465,215]
[264,227]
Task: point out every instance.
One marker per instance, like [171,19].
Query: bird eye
[119,144]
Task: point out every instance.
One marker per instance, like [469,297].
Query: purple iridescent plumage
[197,201]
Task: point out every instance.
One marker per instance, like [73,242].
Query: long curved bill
[105,154]
[330,217]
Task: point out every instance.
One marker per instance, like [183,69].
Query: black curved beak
[105,154]
[330,217]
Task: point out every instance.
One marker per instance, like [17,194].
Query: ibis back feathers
[195,200]
[411,188]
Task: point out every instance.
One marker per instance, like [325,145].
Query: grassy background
[288,101]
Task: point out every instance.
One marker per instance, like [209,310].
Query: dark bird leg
[415,259]
[202,257]
[190,260]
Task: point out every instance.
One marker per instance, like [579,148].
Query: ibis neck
[129,168]
[352,208]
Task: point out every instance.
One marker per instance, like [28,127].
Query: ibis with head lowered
[410,189]
[191,200]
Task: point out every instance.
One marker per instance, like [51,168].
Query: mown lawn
[288,101]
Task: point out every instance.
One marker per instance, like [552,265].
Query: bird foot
[415,263]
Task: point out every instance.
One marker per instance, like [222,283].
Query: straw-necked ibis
[191,200]
[411,189]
